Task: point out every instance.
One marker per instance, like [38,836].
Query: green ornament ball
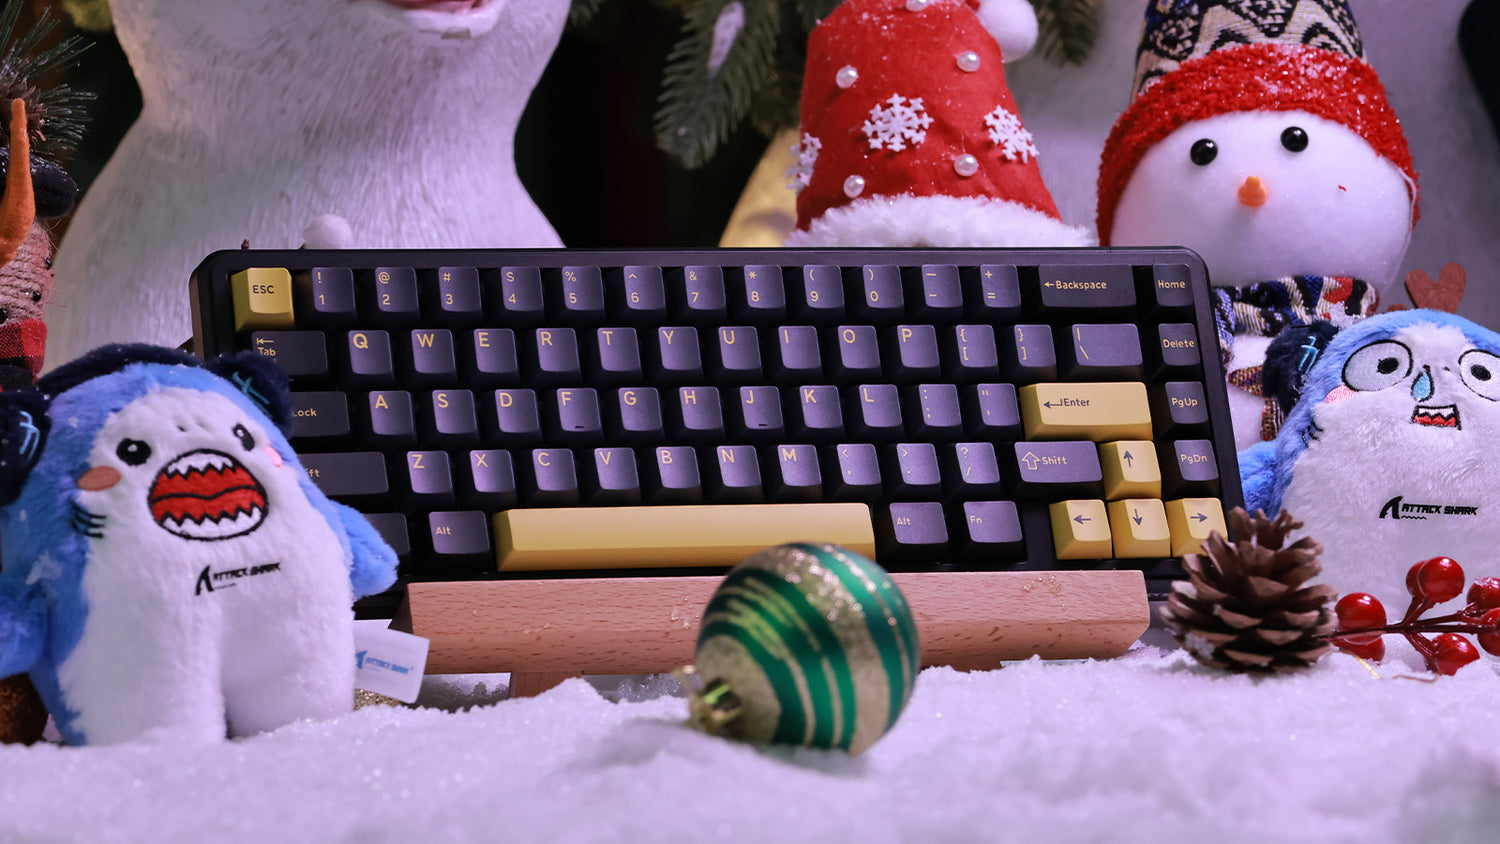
[804,644]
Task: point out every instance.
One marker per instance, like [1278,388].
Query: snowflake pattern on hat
[800,173]
[904,122]
[1006,131]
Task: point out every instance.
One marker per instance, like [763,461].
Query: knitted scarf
[1266,307]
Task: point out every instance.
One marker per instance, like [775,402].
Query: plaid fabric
[23,345]
[1266,307]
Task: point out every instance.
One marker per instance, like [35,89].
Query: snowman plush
[910,135]
[260,116]
[1261,138]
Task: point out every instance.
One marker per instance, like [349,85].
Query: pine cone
[1245,607]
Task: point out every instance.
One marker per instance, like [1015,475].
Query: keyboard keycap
[857,473]
[574,417]
[554,478]
[739,474]
[494,357]
[429,480]
[516,417]
[1080,530]
[875,411]
[677,475]
[491,482]
[392,421]
[300,354]
[760,413]
[1138,527]
[858,351]
[582,297]
[914,530]
[457,301]
[798,476]
[739,353]
[1190,521]
[913,353]
[636,415]
[449,419]
[822,293]
[396,304]
[330,303]
[433,361]
[882,297]
[262,299]
[1189,469]
[1027,354]
[349,476]
[618,476]
[1130,469]
[557,356]
[1102,351]
[519,298]
[764,296]
[319,415]
[460,537]
[1086,287]
[642,296]
[369,360]
[699,291]
[665,536]
[1099,411]
[993,529]
[619,355]
[1056,470]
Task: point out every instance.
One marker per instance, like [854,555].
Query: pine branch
[1067,29]
[583,11]
[705,94]
[813,11]
[778,101]
[54,115]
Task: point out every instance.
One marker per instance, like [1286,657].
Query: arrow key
[1080,529]
[1191,520]
[1139,528]
[1130,469]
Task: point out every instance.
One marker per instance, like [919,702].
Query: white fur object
[1336,208]
[1369,452]
[156,651]
[260,115]
[937,221]
[1013,23]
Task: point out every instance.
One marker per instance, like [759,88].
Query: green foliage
[54,114]
[1067,29]
[705,93]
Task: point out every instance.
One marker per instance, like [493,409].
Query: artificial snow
[1149,747]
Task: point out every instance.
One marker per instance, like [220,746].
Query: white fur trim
[1013,23]
[938,221]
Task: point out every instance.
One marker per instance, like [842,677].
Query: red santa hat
[910,136]
[1201,58]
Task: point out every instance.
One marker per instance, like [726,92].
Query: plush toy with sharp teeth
[1388,455]
[168,563]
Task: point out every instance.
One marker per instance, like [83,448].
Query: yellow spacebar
[680,535]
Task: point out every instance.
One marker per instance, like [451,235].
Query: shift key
[350,476]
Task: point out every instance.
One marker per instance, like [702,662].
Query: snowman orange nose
[1253,192]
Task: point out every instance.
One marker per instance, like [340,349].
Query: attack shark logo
[207,495]
[1396,508]
[210,580]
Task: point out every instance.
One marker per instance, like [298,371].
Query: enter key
[1099,411]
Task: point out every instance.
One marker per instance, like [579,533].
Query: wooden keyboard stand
[543,631]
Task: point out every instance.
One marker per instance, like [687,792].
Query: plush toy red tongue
[207,495]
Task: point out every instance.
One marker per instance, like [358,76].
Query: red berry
[1360,611]
[1452,652]
[1490,642]
[1485,593]
[1437,580]
[1370,650]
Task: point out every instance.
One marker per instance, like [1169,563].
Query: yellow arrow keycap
[1191,520]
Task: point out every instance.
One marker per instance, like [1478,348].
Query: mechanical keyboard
[560,421]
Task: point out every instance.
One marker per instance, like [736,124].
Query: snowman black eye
[1203,152]
[133,452]
[1478,370]
[244,435]
[1294,138]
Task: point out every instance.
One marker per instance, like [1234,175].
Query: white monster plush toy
[1388,457]
[1261,138]
[167,561]
[259,116]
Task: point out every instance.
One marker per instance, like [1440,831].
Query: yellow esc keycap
[1139,527]
[1080,530]
[1130,469]
[1097,411]
[1191,520]
[262,299]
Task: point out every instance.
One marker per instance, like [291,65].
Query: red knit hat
[911,136]
[1208,57]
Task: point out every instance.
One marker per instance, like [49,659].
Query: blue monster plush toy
[167,561]
[1388,456]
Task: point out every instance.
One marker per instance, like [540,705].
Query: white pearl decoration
[846,76]
[855,185]
[916,5]
[968,61]
[965,165]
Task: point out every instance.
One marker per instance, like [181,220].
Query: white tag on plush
[389,662]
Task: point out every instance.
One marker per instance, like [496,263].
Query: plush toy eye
[47,262]
[4,314]
[1480,372]
[1377,366]
[1294,138]
[1203,152]
[36,295]
[133,452]
[245,439]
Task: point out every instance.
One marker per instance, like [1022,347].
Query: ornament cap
[712,706]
